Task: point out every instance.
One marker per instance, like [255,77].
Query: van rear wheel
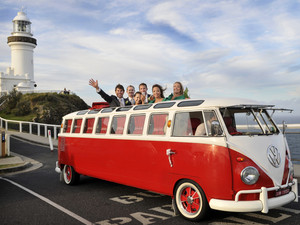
[190,200]
[69,175]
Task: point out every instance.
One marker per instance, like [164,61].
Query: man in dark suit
[113,100]
[143,89]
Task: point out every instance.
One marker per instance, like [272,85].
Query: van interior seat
[77,126]
[104,124]
[120,125]
[89,126]
[138,124]
[229,124]
[159,124]
[195,122]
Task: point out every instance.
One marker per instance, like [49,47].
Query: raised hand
[94,83]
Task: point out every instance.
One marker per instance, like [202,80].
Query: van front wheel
[190,200]
[69,175]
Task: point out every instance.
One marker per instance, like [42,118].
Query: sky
[232,48]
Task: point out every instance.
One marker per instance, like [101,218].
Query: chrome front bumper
[263,204]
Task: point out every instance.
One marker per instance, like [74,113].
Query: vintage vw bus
[216,153]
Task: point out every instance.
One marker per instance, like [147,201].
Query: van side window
[117,125]
[158,124]
[88,126]
[136,124]
[186,123]
[211,126]
[102,124]
[67,126]
[77,126]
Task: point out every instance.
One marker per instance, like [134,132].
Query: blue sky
[240,48]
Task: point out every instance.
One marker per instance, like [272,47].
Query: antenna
[24,9]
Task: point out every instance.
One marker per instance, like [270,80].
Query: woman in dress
[177,92]
[157,93]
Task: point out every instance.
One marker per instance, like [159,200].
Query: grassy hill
[39,107]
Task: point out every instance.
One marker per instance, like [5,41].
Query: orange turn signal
[169,123]
[240,159]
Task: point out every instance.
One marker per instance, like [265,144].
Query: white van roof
[207,103]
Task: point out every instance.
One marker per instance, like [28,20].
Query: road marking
[131,198]
[269,218]
[75,216]
[161,210]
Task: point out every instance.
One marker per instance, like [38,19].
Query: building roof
[21,16]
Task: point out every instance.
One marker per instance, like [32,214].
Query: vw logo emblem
[274,156]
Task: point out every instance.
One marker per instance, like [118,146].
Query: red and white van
[215,153]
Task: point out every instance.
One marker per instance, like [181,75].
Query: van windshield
[248,121]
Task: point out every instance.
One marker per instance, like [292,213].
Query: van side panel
[144,164]
[208,165]
[140,164]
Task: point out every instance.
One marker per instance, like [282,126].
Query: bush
[42,107]
[23,108]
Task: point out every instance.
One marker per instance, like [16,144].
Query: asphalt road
[38,197]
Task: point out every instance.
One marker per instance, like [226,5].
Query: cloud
[216,48]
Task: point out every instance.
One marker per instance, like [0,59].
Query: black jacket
[112,99]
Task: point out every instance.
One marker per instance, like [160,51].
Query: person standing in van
[177,92]
[201,131]
[139,98]
[113,100]
[130,92]
[143,89]
[157,93]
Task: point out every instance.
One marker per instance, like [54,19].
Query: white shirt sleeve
[200,131]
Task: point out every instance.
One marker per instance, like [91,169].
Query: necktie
[121,100]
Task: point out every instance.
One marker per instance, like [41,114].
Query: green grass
[10,165]
[19,118]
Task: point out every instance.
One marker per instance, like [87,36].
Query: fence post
[50,140]
[55,132]
[30,128]
[6,125]
[38,130]
[45,128]
[20,127]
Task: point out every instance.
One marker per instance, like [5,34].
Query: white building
[20,75]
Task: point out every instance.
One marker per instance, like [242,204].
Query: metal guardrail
[39,129]
[288,127]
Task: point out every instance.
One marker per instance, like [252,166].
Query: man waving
[113,100]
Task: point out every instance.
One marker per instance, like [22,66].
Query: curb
[26,165]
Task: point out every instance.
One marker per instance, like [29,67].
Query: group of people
[140,97]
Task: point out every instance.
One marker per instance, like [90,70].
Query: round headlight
[250,175]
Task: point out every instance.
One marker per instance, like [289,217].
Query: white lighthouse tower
[20,75]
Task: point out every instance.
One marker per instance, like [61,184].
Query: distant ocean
[292,139]
[294,145]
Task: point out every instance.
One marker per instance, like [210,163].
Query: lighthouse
[20,76]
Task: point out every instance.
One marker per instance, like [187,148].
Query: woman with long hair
[157,93]
[177,92]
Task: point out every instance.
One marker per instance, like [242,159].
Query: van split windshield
[241,120]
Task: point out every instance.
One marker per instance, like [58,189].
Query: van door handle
[169,152]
